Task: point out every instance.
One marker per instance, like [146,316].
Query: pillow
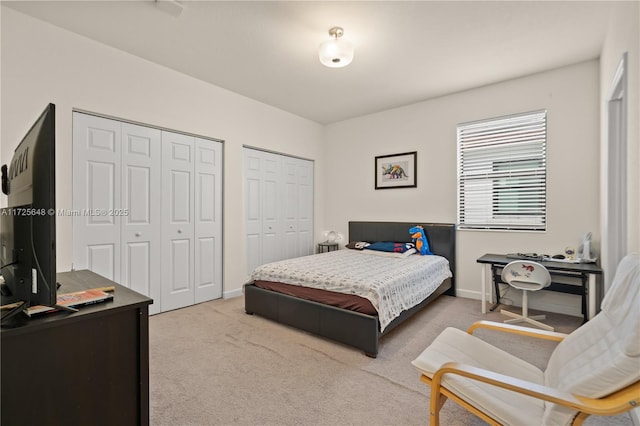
[359,245]
[391,247]
[389,253]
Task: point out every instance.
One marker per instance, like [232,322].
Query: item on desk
[525,256]
[561,258]
[569,253]
[585,252]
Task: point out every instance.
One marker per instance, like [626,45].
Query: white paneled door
[208,220]
[253,208]
[290,204]
[178,230]
[140,226]
[96,188]
[305,208]
[279,207]
[149,210]
[272,225]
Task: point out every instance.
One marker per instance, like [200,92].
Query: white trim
[469,294]
[618,77]
[233,293]
[614,163]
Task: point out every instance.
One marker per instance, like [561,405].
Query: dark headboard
[441,237]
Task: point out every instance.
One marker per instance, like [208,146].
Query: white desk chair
[526,276]
[594,370]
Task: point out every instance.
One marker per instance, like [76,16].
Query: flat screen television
[28,223]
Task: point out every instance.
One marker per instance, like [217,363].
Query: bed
[342,324]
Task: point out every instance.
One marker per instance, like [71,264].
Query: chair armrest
[516,329]
[618,402]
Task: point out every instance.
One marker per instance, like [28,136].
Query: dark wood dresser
[85,368]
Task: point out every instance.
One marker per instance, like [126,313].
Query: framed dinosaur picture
[396,170]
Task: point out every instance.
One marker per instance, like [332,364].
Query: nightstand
[327,247]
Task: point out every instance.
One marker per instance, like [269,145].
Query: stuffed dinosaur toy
[420,240]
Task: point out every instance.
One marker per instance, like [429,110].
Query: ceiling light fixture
[337,52]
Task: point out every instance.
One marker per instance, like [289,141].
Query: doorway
[614,237]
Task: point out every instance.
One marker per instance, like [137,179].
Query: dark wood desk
[585,272]
[85,368]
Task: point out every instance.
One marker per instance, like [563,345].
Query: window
[502,178]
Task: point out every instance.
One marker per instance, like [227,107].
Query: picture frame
[396,170]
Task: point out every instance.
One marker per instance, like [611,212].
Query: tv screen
[28,223]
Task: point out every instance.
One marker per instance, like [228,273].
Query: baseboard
[233,293]
[469,294]
[551,302]
[559,303]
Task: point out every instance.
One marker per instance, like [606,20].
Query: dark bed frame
[358,330]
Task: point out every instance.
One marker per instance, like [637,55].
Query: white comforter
[392,285]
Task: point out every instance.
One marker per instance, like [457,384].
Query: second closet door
[140,227]
[178,230]
[208,220]
[191,235]
[279,207]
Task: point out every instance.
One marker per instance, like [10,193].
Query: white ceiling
[405,52]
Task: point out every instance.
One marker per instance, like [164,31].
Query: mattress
[333,298]
[392,285]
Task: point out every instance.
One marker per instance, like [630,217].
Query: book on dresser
[72,300]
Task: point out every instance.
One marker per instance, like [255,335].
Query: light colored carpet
[212,364]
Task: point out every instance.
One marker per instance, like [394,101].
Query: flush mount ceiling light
[337,52]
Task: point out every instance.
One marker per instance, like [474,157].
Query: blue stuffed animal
[420,239]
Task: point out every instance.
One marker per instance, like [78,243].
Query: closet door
[272,223]
[278,207]
[208,220]
[149,210]
[96,193]
[141,227]
[178,220]
[290,208]
[305,208]
[253,207]
[297,207]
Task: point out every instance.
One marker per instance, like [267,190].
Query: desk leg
[591,312]
[486,276]
[496,288]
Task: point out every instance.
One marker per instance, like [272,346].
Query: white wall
[42,63]
[623,36]
[571,97]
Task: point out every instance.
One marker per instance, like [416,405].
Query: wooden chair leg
[437,401]
[444,395]
[579,419]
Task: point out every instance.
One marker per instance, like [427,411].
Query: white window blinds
[502,173]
